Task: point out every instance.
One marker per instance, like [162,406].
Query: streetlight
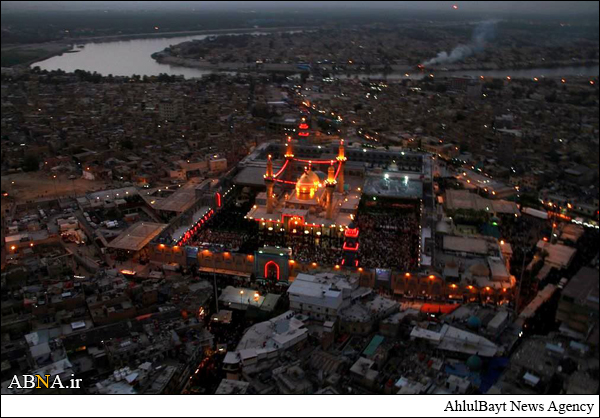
[553,234]
[215,283]
[523,250]
[214,251]
[241,298]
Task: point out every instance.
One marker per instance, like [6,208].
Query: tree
[551,98]
[495,84]
[127,143]
[31,163]
[554,156]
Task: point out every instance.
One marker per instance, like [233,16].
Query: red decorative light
[351,233]
[281,170]
[559,215]
[218,195]
[338,171]
[312,161]
[349,247]
[267,269]
[285,181]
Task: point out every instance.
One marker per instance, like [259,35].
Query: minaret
[289,158]
[303,128]
[341,158]
[351,245]
[329,188]
[269,182]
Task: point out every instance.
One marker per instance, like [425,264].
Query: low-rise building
[578,306]
[264,342]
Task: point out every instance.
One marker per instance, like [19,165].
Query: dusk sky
[545,7]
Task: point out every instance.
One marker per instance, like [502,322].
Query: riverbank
[396,71]
[163,58]
[151,56]
[27,54]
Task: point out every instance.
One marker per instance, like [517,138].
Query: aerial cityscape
[295,198]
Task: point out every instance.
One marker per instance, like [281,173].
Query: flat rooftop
[373,345]
[464,199]
[137,236]
[251,176]
[277,333]
[583,287]
[177,234]
[453,339]
[542,296]
[313,290]
[560,256]
[393,186]
[465,244]
[457,340]
[180,201]
[240,298]
[232,387]
[113,193]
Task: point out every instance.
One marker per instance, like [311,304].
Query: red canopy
[438,308]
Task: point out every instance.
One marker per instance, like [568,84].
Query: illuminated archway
[294,222]
[269,268]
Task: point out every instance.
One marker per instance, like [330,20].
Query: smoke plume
[484,32]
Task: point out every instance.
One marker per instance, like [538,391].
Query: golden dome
[309,180]
[307,185]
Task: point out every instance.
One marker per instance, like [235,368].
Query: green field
[14,57]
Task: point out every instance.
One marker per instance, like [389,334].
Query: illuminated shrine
[315,202]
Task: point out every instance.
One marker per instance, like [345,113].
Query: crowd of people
[231,241]
[227,229]
[389,240]
[320,251]
[307,248]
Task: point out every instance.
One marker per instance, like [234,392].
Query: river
[126,57]
[133,56]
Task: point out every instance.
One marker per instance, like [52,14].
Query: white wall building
[323,296]
[264,342]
